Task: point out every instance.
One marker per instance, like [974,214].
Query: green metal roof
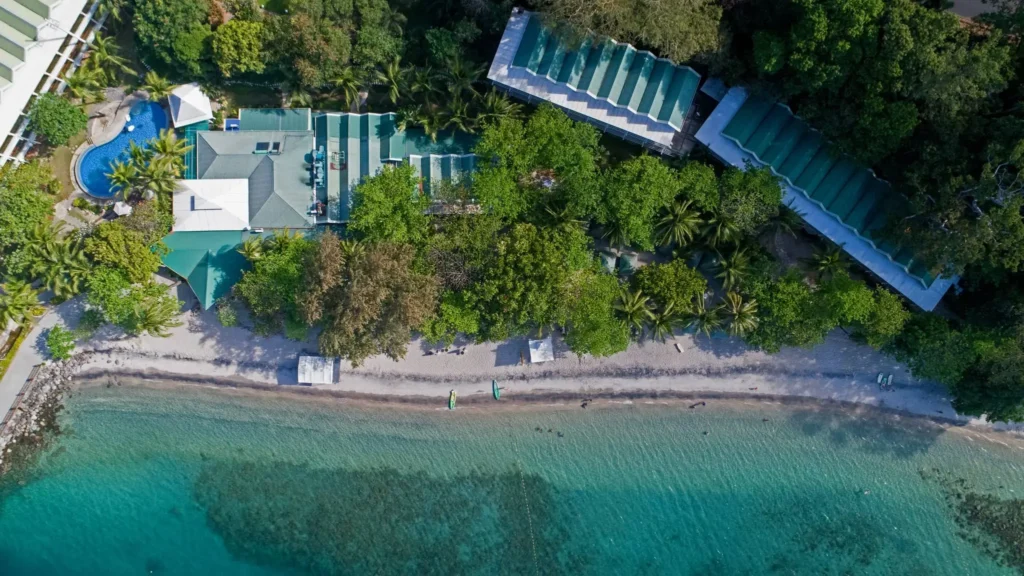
[771,133]
[357,145]
[209,261]
[280,191]
[275,119]
[436,167]
[618,73]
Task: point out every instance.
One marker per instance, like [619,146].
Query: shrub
[83,204]
[227,312]
[61,342]
[91,321]
[56,119]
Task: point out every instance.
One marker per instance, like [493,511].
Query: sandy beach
[201,351]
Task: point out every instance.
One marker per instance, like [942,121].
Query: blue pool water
[186,481]
[148,119]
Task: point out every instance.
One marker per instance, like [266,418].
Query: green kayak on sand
[451,400]
[495,389]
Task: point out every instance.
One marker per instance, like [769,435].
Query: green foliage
[135,308]
[588,299]
[227,312]
[60,263]
[19,303]
[635,191]
[390,207]
[454,316]
[498,193]
[674,284]
[790,314]
[238,46]
[313,45]
[175,32]
[60,342]
[520,285]
[56,119]
[886,320]
[83,204]
[749,198]
[848,301]
[271,286]
[92,319]
[935,351]
[698,184]
[677,29]
[23,206]
[115,245]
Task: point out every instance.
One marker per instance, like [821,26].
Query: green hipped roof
[209,261]
[618,73]
[771,133]
[276,119]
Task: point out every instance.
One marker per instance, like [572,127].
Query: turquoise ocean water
[193,481]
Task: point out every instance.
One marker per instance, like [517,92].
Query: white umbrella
[122,209]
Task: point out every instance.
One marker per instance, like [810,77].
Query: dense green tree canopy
[390,207]
[588,298]
[634,193]
[114,245]
[238,47]
[56,119]
[175,32]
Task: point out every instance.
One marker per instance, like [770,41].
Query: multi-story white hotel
[40,41]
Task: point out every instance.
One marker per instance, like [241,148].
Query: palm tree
[123,176]
[252,248]
[719,230]
[703,319]
[60,263]
[394,21]
[457,117]
[635,309]
[19,303]
[742,314]
[139,156]
[392,76]
[166,145]
[84,84]
[787,222]
[103,56]
[352,250]
[827,262]
[280,241]
[423,82]
[156,316]
[156,86]
[160,176]
[299,97]
[733,269]
[348,84]
[616,235]
[495,105]
[462,77]
[113,9]
[664,322]
[406,118]
[679,225]
[431,121]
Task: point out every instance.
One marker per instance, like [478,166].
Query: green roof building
[841,199]
[208,261]
[624,91]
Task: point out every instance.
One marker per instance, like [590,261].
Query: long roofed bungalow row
[623,91]
[841,199]
[289,169]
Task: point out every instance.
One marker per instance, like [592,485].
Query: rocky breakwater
[34,422]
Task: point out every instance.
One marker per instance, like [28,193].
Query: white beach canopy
[542,350]
[316,370]
[189,105]
[208,205]
[122,208]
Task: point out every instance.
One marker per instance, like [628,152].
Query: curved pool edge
[109,134]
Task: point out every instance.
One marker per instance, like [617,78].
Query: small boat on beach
[495,389]
[451,400]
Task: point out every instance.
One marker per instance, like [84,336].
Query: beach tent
[316,370]
[189,105]
[542,350]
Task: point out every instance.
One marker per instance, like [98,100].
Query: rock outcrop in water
[34,423]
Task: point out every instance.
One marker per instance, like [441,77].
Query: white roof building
[542,350]
[210,205]
[38,39]
[189,105]
[316,370]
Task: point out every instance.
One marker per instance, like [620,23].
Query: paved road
[27,356]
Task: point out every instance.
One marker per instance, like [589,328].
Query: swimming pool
[148,118]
